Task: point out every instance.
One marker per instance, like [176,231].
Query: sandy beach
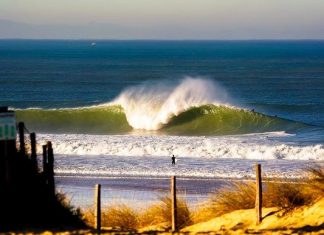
[305,220]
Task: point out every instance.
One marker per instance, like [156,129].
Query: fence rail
[174,206]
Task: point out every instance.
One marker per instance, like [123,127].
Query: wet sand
[134,191]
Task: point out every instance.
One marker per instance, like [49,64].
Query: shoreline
[139,191]
[136,191]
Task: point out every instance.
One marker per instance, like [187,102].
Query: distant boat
[93,44]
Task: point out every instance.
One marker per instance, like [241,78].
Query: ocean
[123,108]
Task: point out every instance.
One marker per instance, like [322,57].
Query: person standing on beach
[173,159]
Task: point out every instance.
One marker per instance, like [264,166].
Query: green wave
[92,120]
[221,120]
[203,120]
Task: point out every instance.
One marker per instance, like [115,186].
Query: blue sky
[162,19]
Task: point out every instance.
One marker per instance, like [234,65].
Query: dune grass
[120,216]
[316,179]
[124,217]
[234,196]
[286,196]
[161,213]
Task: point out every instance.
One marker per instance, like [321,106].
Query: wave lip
[149,107]
[193,106]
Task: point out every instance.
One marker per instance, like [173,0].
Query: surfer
[173,159]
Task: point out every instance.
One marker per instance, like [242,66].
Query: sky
[162,19]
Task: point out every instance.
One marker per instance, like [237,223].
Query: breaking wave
[203,120]
[191,107]
[263,146]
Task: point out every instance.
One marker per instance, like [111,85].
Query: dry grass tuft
[286,196]
[120,216]
[283,195]
[124,217]
[234,196]
[316,180]
[161,213]
[203,213]
[88,216]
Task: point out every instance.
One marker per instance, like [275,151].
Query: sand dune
[302,220]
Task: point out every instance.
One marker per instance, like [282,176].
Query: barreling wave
[203,120]
[222,120]
[190,107]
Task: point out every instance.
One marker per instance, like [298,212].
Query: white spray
[149,107]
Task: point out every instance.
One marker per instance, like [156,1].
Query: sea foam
[266,146]
[148,107]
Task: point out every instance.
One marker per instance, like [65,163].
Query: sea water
[123,108]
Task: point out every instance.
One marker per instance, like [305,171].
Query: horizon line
[161,39]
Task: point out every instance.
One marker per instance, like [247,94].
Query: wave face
[90,120]
[203,120]
[191,107]
[222,120]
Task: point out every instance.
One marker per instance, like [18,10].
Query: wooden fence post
[97,199]
[33,154]
[174,204]
[50,168]
[258,198]
[44,160]
[21,129]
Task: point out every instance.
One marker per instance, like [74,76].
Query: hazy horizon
[161,20]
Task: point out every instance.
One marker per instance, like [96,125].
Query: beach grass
[125,217]
[120,216]
[316,179]
[287,196]
[160,213]
[284,195]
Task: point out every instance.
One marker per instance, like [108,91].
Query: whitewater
[149,106]
[133,155]
[210,134]
[263,146]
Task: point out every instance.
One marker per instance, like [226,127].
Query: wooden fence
[25,152]
[173,196]
[48,155]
